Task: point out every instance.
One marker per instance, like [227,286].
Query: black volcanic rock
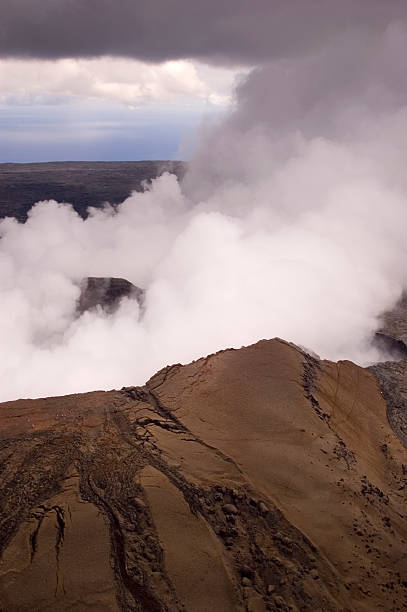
[389,344]
[82,184]
[392,375]
[392,335]
[106,293]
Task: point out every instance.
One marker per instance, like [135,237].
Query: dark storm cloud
[155,30]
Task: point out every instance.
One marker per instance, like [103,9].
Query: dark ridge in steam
[107,294]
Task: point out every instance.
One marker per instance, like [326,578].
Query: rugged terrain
[82,184]
[254,479]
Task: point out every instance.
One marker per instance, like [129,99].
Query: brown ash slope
[82,184]
[254,479]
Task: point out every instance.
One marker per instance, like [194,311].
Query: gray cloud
[349,91]
[156,30]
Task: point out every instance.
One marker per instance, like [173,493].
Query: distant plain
[82,184]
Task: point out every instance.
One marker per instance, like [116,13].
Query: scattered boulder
[392,378]
[230,509]
[263,508]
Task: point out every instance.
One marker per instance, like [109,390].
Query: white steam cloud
[291,222]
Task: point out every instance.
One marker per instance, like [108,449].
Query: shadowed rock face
[254,479]
[390,345]
[392,336]
[106,293]
[395,321]
[392,375]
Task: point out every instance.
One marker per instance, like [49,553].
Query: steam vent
[254,479]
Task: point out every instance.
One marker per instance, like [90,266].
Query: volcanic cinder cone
[254,479]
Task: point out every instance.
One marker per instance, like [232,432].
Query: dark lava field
[82,184]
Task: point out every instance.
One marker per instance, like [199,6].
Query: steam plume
[291,222]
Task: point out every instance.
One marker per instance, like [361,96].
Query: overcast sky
[106,108]
[133,79]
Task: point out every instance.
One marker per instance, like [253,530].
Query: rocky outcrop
[390,345]
[391,337]
[254,479]
[392,375]
[394,322]
[106,293]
